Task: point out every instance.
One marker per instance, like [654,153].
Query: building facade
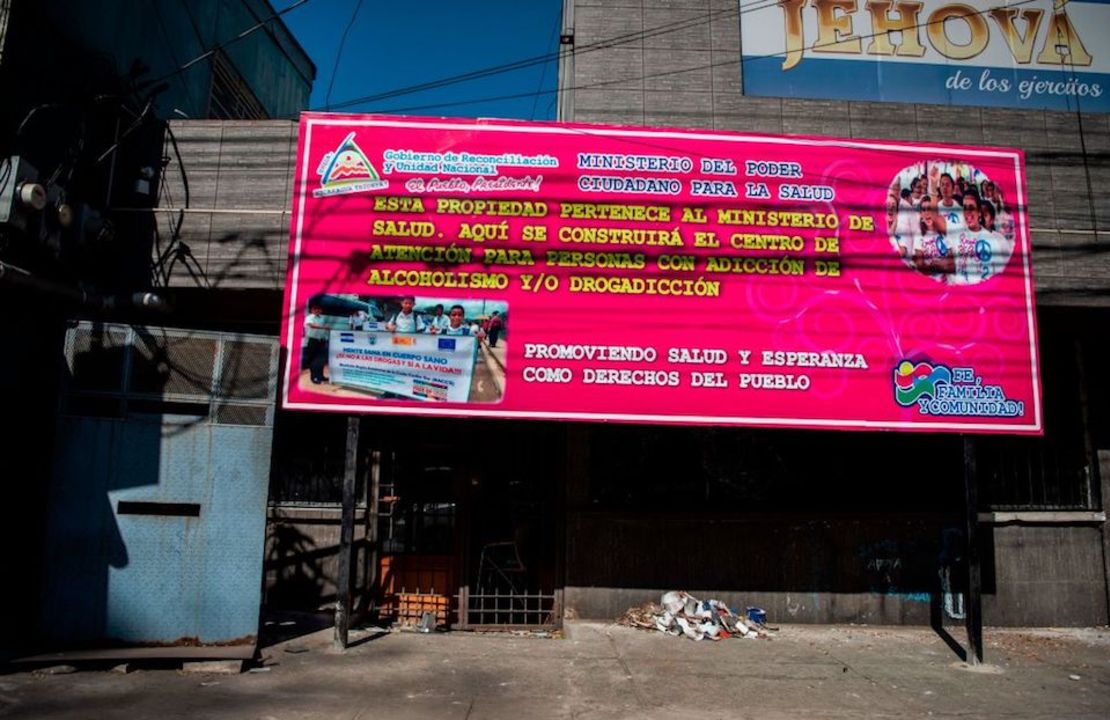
[814,526]
[585,520]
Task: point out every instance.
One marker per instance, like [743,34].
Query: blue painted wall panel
[194,577]
[235,531]
[160,578]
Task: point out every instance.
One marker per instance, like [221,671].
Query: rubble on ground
[680,613]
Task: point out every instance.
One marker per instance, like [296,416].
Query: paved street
[606,671]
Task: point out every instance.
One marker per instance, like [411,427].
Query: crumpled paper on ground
[680,613]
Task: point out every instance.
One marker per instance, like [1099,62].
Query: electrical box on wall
[21,195]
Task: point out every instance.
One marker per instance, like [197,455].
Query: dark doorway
[470,522]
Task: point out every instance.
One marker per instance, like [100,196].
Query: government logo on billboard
[347,170]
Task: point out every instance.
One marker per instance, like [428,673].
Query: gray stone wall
[1046,575]
[223,215]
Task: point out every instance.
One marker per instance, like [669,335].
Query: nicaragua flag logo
[912,381]
[346,337]
[347,170]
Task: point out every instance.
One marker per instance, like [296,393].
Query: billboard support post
[974,609]
[346,538]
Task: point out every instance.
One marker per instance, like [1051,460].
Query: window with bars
[423,513]
[309,460]
[1055,472]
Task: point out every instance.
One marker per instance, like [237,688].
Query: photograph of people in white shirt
[950,233]
[980,253]
[931,253]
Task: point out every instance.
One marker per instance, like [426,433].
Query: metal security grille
[1037,474]
[409,605]
[94,358]
[122,371]
[502,609]
[1057,472]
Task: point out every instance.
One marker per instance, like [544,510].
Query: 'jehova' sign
[1032,54]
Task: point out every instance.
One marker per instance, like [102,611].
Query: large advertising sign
[1050,54]
[507,269]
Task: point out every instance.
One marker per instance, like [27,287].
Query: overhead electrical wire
[604,44]
[647,76]
[543,75]
[339,53]
[666,73]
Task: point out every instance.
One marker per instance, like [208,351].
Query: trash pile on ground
[681,613]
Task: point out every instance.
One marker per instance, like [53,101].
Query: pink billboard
[489,268]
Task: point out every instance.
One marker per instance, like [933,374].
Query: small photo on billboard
[415,348]
[950,222]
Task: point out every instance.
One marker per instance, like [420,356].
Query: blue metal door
[158,499]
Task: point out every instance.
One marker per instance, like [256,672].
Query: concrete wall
[877,570]
[1046,575]
[800,568]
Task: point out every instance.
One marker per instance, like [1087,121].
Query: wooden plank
[167,652]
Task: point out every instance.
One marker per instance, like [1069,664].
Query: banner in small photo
[419,367]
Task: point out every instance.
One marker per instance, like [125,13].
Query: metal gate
[158,495]
[508,608]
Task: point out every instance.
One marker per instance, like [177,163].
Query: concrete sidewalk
[607,671]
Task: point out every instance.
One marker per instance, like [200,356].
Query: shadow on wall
[29,385]
[814,526]
[295,575]
[892,556]
[97,454]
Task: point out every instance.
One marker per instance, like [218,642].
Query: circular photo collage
[950,222]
